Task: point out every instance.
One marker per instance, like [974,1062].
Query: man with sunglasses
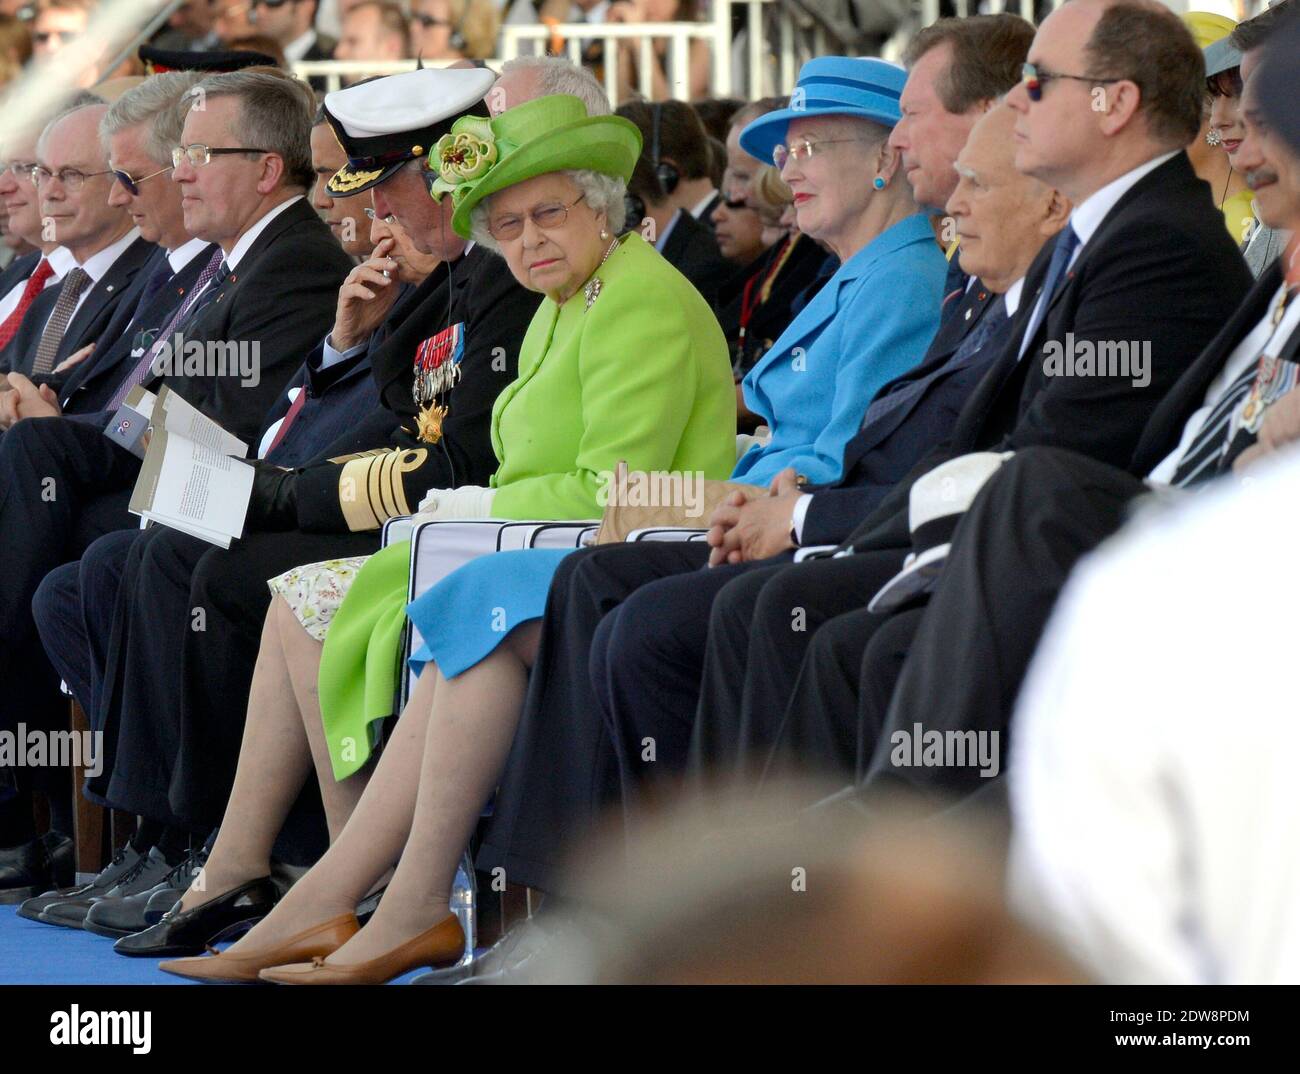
[177,720]
[269,287]
[1110,96]
[73,181]
[139,130]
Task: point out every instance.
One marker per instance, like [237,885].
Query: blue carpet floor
[32,953]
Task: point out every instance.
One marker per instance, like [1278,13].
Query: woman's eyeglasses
[390,219]
[1036,78]
[200,156]
[804,148]
[547,217]
[72,178]
[132,186]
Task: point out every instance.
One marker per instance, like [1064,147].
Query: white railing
[778,39]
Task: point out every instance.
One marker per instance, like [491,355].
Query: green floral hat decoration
[479,157]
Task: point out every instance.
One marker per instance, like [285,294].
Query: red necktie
[35,285]
[290,415]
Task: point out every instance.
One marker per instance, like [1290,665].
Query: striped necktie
[1218,443]
[76,281]
[1201,459]
[212,274]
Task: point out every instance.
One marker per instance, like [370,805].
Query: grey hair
[555,74]
[152,102]
[603,193]
[275,115]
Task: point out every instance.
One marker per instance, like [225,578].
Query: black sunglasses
[1035,78]
[131,185]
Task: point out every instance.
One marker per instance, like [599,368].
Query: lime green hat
[480,157]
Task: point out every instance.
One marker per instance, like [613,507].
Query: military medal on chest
[437,369]
[1275,378]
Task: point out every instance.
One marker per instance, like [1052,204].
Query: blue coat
[870,323]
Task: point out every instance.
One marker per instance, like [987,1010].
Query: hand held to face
[365,298]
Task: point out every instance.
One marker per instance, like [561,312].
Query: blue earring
[878,183]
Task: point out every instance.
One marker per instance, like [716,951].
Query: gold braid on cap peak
[340,183]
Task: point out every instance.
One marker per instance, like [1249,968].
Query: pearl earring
[604,234]
[878,182]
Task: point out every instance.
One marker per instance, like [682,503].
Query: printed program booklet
[189,480]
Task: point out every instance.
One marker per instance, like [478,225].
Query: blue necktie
[158,279]
[1066,243]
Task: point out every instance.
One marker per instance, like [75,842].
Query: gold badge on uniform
[437,369]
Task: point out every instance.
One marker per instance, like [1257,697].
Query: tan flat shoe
[315,942]
[439,946]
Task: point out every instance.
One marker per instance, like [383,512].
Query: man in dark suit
[73,186]
[141,127]
[641,679]
[562,768]
[1142,265]
[173,727]
[274,254]
[974,643]
[22,203]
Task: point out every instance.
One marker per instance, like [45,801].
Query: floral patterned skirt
[314,591]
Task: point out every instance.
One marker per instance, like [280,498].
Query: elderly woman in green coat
[622,362]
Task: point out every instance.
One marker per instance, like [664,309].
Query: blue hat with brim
[831,86]
[1220,57]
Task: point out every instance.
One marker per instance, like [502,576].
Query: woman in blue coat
[870,322]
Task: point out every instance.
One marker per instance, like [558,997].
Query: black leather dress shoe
[71,912]
[122,915]
[189,932]
[123,862]
[36,866]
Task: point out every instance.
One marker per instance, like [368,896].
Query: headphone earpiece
[666,173]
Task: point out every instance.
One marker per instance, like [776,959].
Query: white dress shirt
[1089,213]
[249,237]
[96,266]
[1155,804]
[14,295]
[185,253]
[296,49]
[703,204]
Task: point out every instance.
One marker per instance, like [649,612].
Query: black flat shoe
[189,932]
[36,866]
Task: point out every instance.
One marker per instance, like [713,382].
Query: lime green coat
[642,375]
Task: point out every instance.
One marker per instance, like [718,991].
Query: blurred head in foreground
[770,894]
